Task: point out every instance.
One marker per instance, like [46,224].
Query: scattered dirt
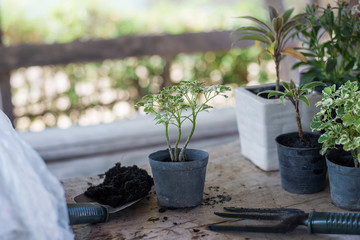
[161,210]
[214,197]
[121,185]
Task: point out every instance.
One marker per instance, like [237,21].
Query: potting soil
[121,185]
[310,142]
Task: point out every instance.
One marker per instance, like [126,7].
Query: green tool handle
[81,213]
[334,223]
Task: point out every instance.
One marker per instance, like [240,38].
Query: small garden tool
[288,219]
[87,210]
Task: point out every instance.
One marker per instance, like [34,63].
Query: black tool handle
[80,213]
[334,223]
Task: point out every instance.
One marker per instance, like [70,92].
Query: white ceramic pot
[261,120]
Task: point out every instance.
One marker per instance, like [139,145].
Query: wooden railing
[164,45]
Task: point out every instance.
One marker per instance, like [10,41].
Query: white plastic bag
[32,201]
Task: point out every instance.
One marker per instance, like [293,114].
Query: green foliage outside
[49,21]
[114,85]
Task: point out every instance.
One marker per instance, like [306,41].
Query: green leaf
[252,28]
[289,95]
[282,99]
[273,13]
[324,137]
[312,85]
[340,111]
[348,119]
[277,23]
[331,65]
[257,21]
[286,85]
[255,37]
[271,36]
[305,100]
[350,65]
[327,90]
[286,15]
[271,93]
[316,123]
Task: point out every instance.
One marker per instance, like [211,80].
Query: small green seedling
[295,95]
[176,104]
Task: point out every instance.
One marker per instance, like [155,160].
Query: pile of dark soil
[121,185]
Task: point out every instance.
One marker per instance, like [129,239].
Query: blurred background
[101,92]
[72,71]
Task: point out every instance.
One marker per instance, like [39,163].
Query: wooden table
[231,180]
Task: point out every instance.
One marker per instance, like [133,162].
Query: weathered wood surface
[228,174]
[126,46]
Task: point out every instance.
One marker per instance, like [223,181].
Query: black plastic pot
[302,169]
[344,180]
[179,184]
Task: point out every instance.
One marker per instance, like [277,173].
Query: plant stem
[355,158]
[298,121]
[277,58]
[168,142]
[193,121]
[178,140]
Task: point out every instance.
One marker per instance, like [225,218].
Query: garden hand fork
[288,219]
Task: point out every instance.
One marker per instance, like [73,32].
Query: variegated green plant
[275,35]
[339,119]
[179,103]
[295,94]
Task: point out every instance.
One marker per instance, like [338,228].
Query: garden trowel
[87,210]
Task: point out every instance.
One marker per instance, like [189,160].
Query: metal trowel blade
[82,198]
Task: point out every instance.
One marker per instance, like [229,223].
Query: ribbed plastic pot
[302,170]
[179,184]
[344,181]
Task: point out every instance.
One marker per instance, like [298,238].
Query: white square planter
[261,120]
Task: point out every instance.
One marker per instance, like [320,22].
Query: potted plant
[179,173]
[260,119]
[302,168]
[331,44]
[339,121]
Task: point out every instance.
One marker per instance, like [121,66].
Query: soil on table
[121,185]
